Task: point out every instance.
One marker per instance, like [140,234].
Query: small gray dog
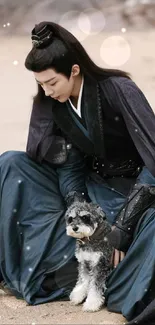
[87,222]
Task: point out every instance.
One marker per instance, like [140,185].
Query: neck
[76,88]
[97,235]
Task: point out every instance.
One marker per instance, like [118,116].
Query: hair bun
[41,35]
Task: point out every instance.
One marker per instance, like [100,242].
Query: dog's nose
[75,228]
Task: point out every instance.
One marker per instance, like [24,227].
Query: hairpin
[42,37]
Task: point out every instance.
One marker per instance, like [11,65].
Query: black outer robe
[128,124]
[127,129]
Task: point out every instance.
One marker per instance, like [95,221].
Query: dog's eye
[86,218]
[70,219]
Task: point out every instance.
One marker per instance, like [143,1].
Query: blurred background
[115,33]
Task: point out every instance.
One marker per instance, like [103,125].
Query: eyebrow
[39,82]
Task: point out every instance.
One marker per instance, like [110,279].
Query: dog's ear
[66,215]
[101,212]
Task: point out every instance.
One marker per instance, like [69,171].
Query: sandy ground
[17,88]
[14,311]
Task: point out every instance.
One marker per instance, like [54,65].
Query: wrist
[120,239]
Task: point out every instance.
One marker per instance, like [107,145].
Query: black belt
[126,168]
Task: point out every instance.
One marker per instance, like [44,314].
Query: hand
[117,257]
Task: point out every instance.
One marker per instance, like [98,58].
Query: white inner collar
[78,109]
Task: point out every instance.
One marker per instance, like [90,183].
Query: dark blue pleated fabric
[33,239]
[35,249]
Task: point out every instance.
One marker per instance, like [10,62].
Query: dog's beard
[83,231]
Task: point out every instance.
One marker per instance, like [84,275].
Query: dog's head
[82,219]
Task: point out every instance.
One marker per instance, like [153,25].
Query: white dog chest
[92,257]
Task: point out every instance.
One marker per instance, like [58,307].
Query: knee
[145,177]
[12,156]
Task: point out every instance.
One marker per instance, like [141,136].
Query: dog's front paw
[74,299]
[77,295]
[93,303]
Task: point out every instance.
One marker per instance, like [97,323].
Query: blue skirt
[37,259]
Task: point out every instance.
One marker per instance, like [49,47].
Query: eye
[70,219]
[86,218]
[53,84]
[42,86]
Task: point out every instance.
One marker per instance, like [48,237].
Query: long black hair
[56,48]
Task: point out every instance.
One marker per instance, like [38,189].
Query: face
[80,223]
[56,85]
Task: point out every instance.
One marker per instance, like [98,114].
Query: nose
[75,228]
[48,92]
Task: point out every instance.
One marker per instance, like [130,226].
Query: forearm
[141,197]
[72,175]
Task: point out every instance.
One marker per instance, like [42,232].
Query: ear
[75,70]
[101,212]
[66,215]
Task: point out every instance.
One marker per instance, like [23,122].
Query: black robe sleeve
[43,145]
[43,132]
[137,113]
